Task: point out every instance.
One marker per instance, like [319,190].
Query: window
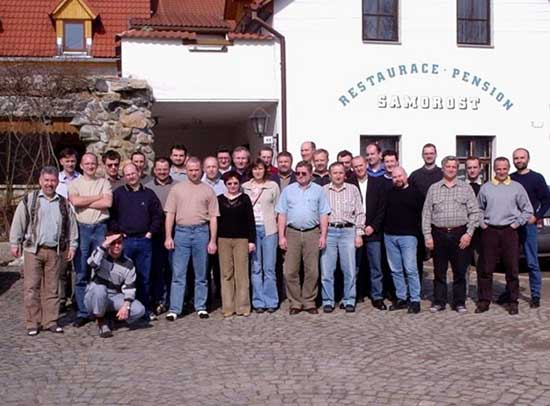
[473,22]
[380,20]
[384,141]
[73,37]
[481,147]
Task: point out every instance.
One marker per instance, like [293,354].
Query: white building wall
[326,58]
[248,71]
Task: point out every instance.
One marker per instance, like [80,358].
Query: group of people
[140,245]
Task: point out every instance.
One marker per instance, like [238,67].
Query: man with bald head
[91,197]
[137,214]
[212,176]
[192,207]
[401,231]
[306,150]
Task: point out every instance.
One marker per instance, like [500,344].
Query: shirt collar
[169,182]
[63,176]
[129,189]
[332,187]
[42,194]
[506,181]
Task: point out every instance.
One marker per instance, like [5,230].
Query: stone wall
[118,116]
[110,112]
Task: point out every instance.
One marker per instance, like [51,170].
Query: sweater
[135,213]
[537,190]
[423,178]
[236,218]
[504,204]
[403,211]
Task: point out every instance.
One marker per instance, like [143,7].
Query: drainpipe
[282,43]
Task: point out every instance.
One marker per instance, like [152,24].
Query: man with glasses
[92,197]
[111,162]
[223,155]
[449,219]
[303,222]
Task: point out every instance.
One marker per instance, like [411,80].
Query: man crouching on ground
[113,285]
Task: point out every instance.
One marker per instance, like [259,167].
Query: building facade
[468,76]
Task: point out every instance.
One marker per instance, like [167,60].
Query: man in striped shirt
[345,230]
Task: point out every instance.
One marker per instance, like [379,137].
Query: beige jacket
[268,201]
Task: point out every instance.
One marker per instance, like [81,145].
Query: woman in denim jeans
[264,195]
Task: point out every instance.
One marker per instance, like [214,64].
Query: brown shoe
[482,308]
[313,310]
[294,311]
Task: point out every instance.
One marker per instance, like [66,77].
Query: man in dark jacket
[375,208]
[137,213]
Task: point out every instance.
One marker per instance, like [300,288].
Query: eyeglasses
[302,173]
[112,165]
[232,183]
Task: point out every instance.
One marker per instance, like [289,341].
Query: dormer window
[73,25]
[74,39]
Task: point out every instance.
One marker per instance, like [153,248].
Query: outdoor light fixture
[260,120]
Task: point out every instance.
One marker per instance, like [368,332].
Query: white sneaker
[171,316]
[153,317]
[203,314]
[461,310]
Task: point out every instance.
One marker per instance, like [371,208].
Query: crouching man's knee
[96,299]
[137,311]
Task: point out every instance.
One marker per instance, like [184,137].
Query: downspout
[282,43]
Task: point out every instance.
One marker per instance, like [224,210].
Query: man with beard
[539,196]
[178,156]
[401,229]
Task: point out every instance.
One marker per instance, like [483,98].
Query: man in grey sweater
[113,285]
[505,206]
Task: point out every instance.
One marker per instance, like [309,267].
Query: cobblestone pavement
[369,357]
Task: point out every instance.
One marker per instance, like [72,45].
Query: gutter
[282,43]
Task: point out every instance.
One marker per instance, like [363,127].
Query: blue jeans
[140,251]
[401,251]
[528,238]
[340,242]
[190,242]
[161,271]
[90,236]
[264,281]
[374,254]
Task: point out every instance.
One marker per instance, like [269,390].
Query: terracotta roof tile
[188,13]
[27,29]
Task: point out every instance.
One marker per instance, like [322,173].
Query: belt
[47,247]
[302,230]
[450,229]
[500,227]
[341,225]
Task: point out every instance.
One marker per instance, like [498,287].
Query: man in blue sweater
[137,214]
[539,196]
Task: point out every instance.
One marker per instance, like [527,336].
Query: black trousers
[446,249]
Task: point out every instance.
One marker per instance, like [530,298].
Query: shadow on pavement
[7,279]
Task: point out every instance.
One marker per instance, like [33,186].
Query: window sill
[377,42]
[491,46]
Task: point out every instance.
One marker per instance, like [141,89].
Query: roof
[177,14]
[27,29]
[157,34]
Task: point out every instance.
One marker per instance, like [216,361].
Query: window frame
[74,50]
[395,16]
[485,161]
[365,139]
[489,43]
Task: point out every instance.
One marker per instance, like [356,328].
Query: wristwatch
[128,305]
